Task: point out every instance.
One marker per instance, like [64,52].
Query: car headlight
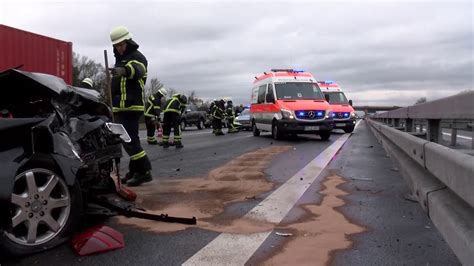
[328,114]
[287,114]
[353,114]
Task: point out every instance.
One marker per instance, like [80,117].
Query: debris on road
[283,234]
[362,178]
[98,239]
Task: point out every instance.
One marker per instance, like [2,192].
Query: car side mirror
[269,98]
[326,96]
[350,102]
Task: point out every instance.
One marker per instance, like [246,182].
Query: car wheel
[183,125]
[45,212]
[200,124]
[349,129]
[255,130]
[276,134]
[325,135]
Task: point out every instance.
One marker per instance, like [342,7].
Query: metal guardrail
[441,178]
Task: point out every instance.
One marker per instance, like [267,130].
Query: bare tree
[153,86]
[421,100]
[171,92]
[83,67]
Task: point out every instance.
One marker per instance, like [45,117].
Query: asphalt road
[359,195]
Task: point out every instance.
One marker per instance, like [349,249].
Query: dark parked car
[192,116]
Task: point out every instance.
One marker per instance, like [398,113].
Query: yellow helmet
[119,34]
[88,81]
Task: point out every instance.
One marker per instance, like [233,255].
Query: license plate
[311,128]
[340,124]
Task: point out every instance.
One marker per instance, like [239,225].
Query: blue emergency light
[329,81]
[319,113]
[346,114]
[301,113]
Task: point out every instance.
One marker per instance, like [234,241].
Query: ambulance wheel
[255,130]
[276,134]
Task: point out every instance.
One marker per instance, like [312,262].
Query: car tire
[349,129]
[55,209]
[200,124]
[325,135]
[276,133]
[255,130]
[183,125]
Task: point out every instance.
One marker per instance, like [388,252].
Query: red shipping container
[37,53]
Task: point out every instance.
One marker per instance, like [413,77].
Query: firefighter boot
[127,177]
[139,178]
[179,145]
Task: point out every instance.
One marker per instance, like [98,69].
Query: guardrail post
[396,122]
[433,131]
[454,133]
[409,125]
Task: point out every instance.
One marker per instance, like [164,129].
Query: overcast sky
[380,52]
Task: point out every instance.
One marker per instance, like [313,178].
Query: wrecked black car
[59,162]
[56,145]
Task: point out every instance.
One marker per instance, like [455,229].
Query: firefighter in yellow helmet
[128,81]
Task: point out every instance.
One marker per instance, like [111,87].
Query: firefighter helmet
[88,81]
[163,91]
[183,99]
[119,34]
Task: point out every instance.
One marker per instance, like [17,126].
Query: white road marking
[459,136]
[236,249]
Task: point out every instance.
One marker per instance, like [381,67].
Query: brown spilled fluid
[324,230]
[205,197]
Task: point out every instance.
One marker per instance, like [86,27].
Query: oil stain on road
[239,180]
[322,231]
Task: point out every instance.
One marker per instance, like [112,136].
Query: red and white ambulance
[342,111]
[289,101]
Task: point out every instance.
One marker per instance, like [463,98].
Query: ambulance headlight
[287,114]
[329,114]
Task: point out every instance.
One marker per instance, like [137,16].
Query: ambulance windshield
[337,97]
[298,91]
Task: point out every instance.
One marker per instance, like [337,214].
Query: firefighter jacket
[173,105]
[127,91]
[153,105]
[218,111]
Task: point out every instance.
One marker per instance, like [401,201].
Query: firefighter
[128,81]
[217,116]
[230,115]
[210,111]
[152,114]
[173,110]
[87,83]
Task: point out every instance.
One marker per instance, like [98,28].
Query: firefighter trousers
[172,120]
[151,127]
[139,162]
